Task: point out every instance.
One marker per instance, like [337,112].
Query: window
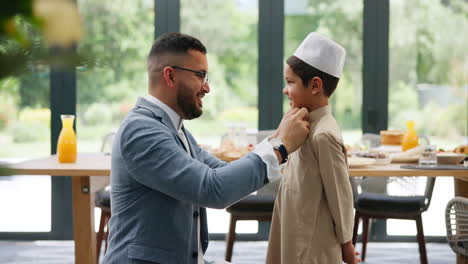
[25,134]
[428,84]
[340,21]
[118,36]
[229,33]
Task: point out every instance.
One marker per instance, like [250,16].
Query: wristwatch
[278,145]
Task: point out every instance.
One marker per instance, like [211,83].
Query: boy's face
[298,94]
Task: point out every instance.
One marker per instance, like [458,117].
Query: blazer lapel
[159,112]
[191,144]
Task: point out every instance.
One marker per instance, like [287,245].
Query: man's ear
[168,75]
[315,85]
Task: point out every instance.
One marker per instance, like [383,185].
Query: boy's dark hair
[307,72]
[174,42]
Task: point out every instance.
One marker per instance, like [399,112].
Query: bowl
[450,158]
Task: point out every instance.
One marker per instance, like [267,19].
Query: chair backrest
[262,134]
[456,223]
[428,192]
[374,139]
[107,142]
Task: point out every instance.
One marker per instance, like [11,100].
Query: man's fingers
[301,113]
[292,111]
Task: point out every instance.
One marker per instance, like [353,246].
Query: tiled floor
[55,252]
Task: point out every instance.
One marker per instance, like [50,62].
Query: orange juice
[66,145]
[410,139]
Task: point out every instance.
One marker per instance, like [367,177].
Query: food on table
[372,154]
[348,147]
[391,137]
[228,151]
[381,158]
[463,149]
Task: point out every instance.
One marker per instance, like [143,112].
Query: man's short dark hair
[307,72]
[176,43]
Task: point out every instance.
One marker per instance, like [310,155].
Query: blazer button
[195,254]
[195,214]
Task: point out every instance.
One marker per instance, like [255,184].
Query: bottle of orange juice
[66,145]
[410,139]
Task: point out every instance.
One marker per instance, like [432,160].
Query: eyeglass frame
[202,74]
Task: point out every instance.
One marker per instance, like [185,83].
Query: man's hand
[293,129]
[349,254]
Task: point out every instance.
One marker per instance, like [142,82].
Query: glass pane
[119,34]
[230,36]
[342,22]
[25,134]
[429,84]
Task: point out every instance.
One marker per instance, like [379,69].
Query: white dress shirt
[264,150]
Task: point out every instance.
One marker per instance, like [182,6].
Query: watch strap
[284,153]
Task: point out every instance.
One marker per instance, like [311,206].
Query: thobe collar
[173,116]
[319,113]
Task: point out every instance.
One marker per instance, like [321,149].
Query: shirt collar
[319,113]
[175,118]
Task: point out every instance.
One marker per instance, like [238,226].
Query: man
[161,180]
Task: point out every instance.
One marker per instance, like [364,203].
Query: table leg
[461,187]
[83,221]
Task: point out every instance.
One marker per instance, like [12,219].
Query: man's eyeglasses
[201,74]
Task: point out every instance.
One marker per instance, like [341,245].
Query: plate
[356,162]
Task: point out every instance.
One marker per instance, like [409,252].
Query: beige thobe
[313,213]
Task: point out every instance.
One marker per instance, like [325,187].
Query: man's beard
[187,103]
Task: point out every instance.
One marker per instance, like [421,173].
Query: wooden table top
[87,164]
[98,164]
[394,169]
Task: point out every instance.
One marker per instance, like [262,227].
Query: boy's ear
[316,85]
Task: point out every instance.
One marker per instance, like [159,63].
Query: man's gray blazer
[159,191]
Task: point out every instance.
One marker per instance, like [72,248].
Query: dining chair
[102,201]
[369,205]
[456,222]
[257,207]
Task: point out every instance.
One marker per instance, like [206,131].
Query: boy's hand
[349,254]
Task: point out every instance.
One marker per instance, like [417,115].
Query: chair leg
[106,234]
[231,236]
[365,236]
[100,234]
[421,240]
[357,217]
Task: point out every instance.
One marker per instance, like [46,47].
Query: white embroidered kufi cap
[322,53]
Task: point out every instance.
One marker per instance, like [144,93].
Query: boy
[313,214]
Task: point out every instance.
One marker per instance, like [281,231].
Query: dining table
[91,172]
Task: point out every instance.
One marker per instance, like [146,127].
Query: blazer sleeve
[335,178]
[153,158]
[205,157]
